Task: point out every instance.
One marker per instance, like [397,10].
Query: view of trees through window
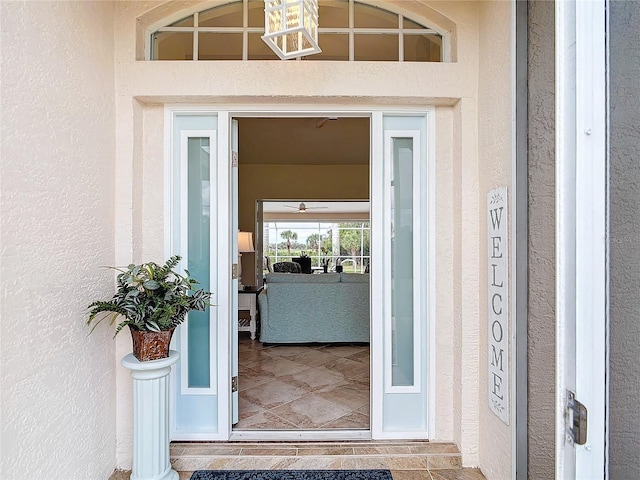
[326,243]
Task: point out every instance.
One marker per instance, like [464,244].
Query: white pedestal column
[151,417]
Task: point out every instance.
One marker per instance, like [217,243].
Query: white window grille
[348,31]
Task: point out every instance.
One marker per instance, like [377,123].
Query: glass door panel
[198,247]
[402,251]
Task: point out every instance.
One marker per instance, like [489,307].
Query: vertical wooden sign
[498,306]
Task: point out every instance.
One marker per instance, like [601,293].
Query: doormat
[291,475]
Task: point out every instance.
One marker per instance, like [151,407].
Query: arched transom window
[348,31]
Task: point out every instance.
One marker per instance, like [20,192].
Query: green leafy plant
[150,297]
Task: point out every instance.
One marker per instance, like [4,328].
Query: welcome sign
[498,311]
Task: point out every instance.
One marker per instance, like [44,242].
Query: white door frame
[225,293]
[582,233]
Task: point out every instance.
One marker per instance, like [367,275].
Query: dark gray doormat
[291,475]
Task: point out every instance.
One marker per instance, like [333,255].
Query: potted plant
[152,300]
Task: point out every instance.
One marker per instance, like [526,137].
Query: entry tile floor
[407,460]
[302,387]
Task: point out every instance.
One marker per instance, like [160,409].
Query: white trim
[512,266]
[224,247]
[565,219]
[302,110]
[185,135]
[233,202]
[199,436]
[607,335]
[168,247]
[300,435]
[389,137]
[375,113]
[430,117]
[581,236]
[196,36]
[591,232]
[376,246]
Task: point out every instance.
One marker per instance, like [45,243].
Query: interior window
[340,246]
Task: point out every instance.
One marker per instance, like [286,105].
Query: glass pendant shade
[291,27]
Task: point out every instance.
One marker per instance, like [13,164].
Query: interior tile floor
[302,387]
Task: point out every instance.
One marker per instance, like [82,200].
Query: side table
[248,300]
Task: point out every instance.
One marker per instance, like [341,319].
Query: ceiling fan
[302,208]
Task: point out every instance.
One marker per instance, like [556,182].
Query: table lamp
[245,245]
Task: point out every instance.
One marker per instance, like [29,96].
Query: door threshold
[300,435]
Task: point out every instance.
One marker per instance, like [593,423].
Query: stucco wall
[495,137]
[445,363]
[142,86]
[56,201]
[624,414]
[541,327]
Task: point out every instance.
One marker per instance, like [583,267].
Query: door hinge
[234,159]
[234,384]
[576,418]
[234,271]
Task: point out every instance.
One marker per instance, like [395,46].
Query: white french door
[233,200]
[198,186]
[203,224]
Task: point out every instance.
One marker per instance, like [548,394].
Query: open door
[235,280]
[192,209]
[581,199]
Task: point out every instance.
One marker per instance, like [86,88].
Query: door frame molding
[225,293]
[582,232]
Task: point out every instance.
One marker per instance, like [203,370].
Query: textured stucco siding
[143,87]
[541,322]
[56,218]
[624,387]
[452,87]
[495,140]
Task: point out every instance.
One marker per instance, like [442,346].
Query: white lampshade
[245,242]
[291,27]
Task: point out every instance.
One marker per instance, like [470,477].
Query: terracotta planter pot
[151,345]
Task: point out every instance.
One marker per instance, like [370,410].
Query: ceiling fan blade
[290,206]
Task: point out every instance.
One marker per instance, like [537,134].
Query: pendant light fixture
[291,27]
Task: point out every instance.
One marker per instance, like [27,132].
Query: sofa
[322,308]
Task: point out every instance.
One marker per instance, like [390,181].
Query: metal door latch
[576,420]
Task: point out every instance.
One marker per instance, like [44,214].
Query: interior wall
[495,139]
[541,321]
[57,229]
[294,182]
[624,369]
